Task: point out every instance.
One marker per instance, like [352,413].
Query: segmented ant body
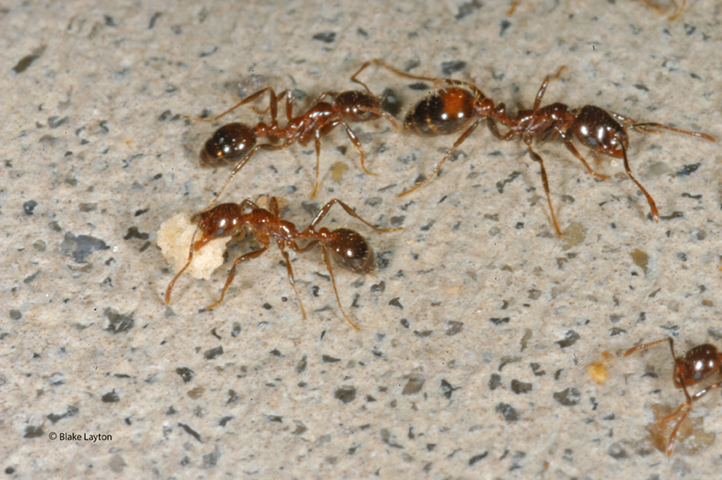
[348,248]
[599,130]
[237,142]
[698,364]
[454,105]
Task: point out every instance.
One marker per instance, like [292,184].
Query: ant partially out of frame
[236,142]
[348,248]
[674,16]
[699,363]
[453,105]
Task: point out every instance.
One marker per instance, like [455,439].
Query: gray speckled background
[476,331]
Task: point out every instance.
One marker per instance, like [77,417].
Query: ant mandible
[236,142]
[348,248]
[515,3]
[451,107]
[592,126]
[699,363]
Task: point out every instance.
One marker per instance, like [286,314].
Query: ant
[674,17]
[348,248]
[599,130]
[236,142]
[452,106]
[699,363]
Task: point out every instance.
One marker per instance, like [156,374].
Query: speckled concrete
[479,323]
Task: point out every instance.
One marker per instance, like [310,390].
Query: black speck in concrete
[419,86]
[570,339]
[33,432]
[28,60]
[447,68]
[55,122]
[688,169]
[329,359]
[213,353]
[133,232]
[499,321]
[190,431]
[389,439]
[467,8]
[345,394]
[520,387]
[236,330]
[224,421]
[110,397]
[70,412]
[302,364]
[16,314]
[413,385]
[210,460]
[502,183]
[390,102]
[494,381]
[477,458]
[568,397]
[617,452]
[119,323]
[447,389]
[185,373]
[396,303]
[508,412]
[153,19]
[81,246]
[29,206]
[454,327]
[326,37]
[504,24]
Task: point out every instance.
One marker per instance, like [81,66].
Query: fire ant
[450,108]
[597,129]
[236,142]
[515,3]
[348,248]
[699,363]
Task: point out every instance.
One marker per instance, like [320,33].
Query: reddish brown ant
[699,363]
[236,142]
[452,106]
[348,248]
[592,126]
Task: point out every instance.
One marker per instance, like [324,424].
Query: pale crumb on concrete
[174,240]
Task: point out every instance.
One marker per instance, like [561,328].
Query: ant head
[228,144]
[599,131]
[358,106]
[350,250]
[223,220]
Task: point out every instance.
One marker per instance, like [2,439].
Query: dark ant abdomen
[443,112]
[700,362]
[228,144]
[599,131]
[351,251]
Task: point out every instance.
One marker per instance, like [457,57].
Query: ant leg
[177,276]
[650,344]
[289,102]
[325,209]
[246,100]
[391,69]
[232,273]
[543,88]
[461,139]
[535,156]
[290,272]
[240,165]
[570,146]
[679,12]
[329,267]
[382,113]
[317,142]
[354,139]
[514,4]
[650,200]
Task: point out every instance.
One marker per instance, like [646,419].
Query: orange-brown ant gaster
[450,108]
[348,248]
[697,364]
[236,142]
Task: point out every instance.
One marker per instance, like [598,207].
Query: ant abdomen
[441,113]
[358,106]
[351,251]
[223,220]
[596,129]
[228,144]
[699,362]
